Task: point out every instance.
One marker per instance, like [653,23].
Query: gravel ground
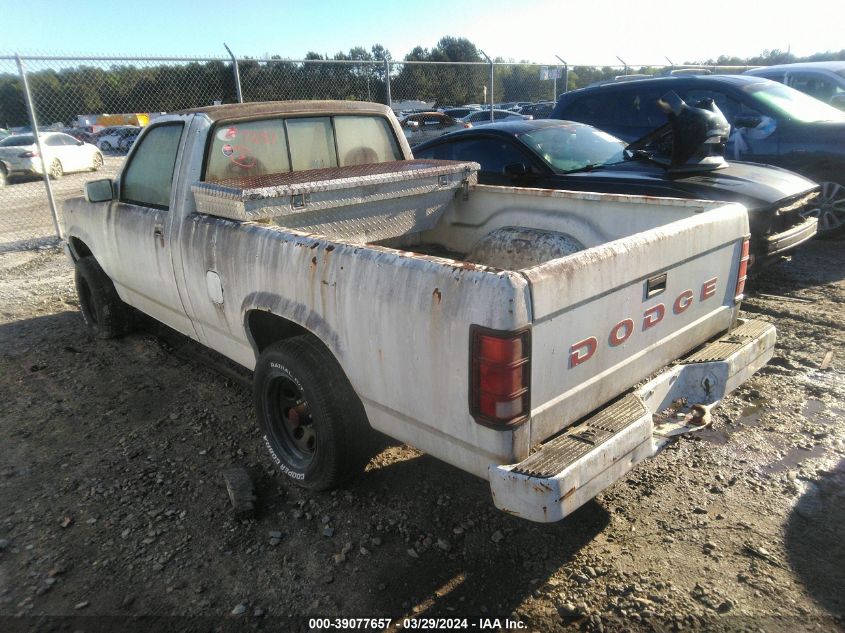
[25,215]
[112,501]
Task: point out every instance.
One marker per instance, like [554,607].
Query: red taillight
[32,154]
[500,366]
[742,274]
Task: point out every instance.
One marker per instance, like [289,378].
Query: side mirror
[99,190]
[747,120]
[79,142]
[517,170]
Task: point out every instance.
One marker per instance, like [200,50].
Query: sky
[585,32]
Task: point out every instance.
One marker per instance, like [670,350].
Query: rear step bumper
[574,467]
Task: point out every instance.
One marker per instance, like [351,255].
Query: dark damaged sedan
[552,154]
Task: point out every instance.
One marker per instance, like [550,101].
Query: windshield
[793,104]
[17,141]
[574,146]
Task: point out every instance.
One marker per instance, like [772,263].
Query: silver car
[483,116]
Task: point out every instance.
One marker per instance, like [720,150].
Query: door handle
[158,233]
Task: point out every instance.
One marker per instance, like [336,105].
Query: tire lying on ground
[104,313]
[312,421]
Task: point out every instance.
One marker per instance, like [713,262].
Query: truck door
[140,220]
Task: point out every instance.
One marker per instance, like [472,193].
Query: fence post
[32,121]
[489,61]
[565,75]
[237,74]
[388,96]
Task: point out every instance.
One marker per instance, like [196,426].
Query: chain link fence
[72,94]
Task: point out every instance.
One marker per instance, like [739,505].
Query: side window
[593,109]
[729,106]
[814,85]
[311,143]
[774,76]
[640,109]
[148,178]
[365,139]
[54,141]
[492,154]
[250,148]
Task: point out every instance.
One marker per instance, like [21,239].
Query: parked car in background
[128,140]
[771,124]
[427,125]
[482,117]
[109,138]
[459,113]
[823,80]
[541,110]
[81,134]
[553,154]
[62,154]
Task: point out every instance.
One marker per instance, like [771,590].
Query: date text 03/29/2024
[429,624]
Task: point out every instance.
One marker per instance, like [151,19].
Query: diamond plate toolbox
[362,203]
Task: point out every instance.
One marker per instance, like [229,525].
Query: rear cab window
[284,144]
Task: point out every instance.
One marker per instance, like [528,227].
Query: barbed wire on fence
[69,92]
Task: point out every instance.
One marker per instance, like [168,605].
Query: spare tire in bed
[516,247]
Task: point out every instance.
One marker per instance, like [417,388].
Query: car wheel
[313,423]
[97,164]
[3,178]
[56,170]
[104,313]
[105,146]
[829,208]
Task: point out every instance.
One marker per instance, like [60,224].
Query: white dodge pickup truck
[543,340]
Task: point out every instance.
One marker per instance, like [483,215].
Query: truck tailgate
[607,317]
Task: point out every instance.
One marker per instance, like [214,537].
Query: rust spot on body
[436,295]
[569,493]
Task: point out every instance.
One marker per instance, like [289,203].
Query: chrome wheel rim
[828,207]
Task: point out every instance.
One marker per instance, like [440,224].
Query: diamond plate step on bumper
[575,466]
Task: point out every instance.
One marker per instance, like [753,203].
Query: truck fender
[269,318]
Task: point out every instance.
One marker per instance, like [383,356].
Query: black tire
[105,315]
[313,423]
[56,169]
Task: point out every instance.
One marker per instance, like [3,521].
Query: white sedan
[62,154]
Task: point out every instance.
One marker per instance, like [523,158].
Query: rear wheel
[3,178]
[56,169]
[829,208]
[104,313]
[313,423]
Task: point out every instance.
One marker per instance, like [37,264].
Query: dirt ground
[112,501]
